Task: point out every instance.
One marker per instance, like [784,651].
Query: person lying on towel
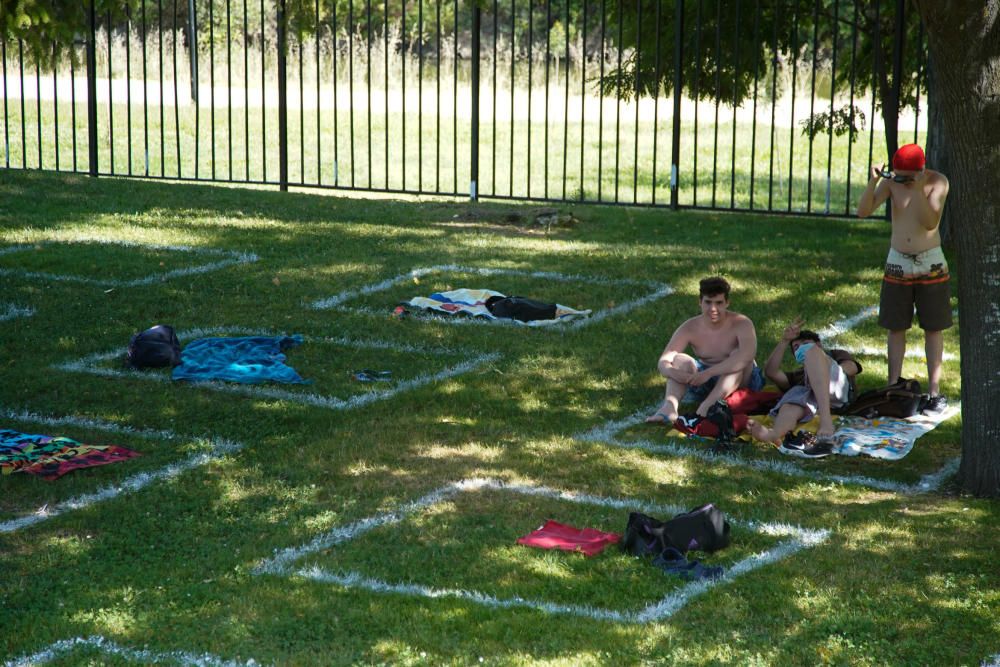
[824,383]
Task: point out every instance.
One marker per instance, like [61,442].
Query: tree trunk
[964,40]
[938,147]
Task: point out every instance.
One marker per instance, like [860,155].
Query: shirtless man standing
[724,344]
[916,272]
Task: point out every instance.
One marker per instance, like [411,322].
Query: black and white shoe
[795,443]
[935,405]
[823,447]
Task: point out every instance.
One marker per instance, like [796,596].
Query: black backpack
[520,308]
[156,347]
[901,399]
[703,528]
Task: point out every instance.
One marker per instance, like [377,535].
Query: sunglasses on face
[897,178]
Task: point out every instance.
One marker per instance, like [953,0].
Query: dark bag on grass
[520,308]
[701,529]
[901,399]
[156,347]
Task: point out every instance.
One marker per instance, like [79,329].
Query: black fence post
[474,162]
[675,148]
[282,99]
[193,48]
[92,89]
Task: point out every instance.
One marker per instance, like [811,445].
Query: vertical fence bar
[756,80]
[128,87]
[336,125]
[920,72]
[791,130]
[193,46]
[350,81]
[736,78]
[6,130]
[145,93]
[282,98]
[72,100]
[675,142]
[548,57]
[368,67]
[635,133]
[833,90]
[319,105]
[437,102]
[812,104]
[565,101]
[774,102]
[263,94]
[403,54]
[583,102]
[531,58]
[246,94]
[454,108]
[299,47]
[718,96]
[55,99]
[474,158]
[493,109]
[20,88]
[600,100]
[385,88]
[698,58]
[177,99]
[850,135]
[897,73]
[871,125]
[159,37]
[618,99]
[656,95]
[420,95]
[229,84]
[211,78]
[513,81]
[38,111]
[91,90]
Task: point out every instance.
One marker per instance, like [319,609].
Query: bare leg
[934,349]
[897,348]
[788,416]
[817,365]
[668,410]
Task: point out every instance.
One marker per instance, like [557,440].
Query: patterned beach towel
[248,360]
[51,457]
[884,438]
[472,302]
[553,535]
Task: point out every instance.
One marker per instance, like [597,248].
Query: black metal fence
[771,105]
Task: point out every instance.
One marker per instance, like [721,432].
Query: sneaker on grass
[935,405]
[823,447]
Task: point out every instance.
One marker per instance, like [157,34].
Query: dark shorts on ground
[698,394]
[920,280]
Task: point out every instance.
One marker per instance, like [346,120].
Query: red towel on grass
[555,535]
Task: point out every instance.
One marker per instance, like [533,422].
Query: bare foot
[661,417]
[758,431]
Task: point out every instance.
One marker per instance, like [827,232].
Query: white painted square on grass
[61,649]
[283,562]
[652,291]
[91,364]
[219,448]
[9,311]
[215,259]
[608,432]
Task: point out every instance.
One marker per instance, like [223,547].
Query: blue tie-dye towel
[249,360]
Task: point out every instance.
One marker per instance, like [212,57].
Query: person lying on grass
[825,382]
[723,343]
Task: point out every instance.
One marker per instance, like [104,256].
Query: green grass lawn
[175,566]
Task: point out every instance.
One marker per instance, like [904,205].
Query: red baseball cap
[909,158]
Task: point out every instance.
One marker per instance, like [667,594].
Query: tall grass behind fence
[370,107]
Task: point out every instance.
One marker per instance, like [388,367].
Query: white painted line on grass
[63,647]
[607,433]
[871,351]
[282,563]
[90,364]
[657,291]
[843,326]
[229,258]
[9,311]
[130,484]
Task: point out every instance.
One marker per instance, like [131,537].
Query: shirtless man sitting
[724,344]
[916,272]
[825,382]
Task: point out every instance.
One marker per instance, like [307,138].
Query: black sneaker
[935,405]
[794,443]
[819,450]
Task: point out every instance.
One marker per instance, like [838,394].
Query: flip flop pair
[369,375]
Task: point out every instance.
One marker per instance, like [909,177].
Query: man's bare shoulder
[740,321]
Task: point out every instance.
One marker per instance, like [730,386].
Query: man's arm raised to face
[875,194]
